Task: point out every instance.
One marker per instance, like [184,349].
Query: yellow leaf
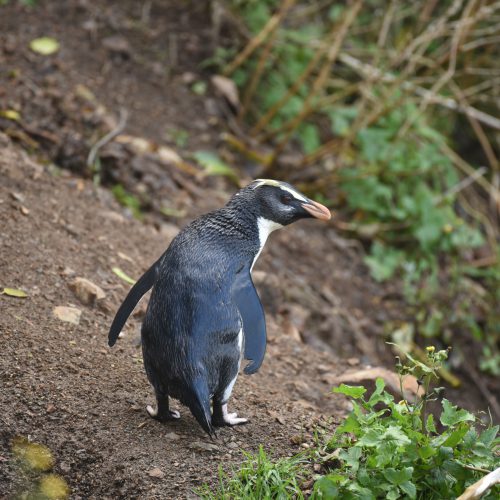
[37,456]
[10,114]
[123,276]
[54,487]
[44,45]
[13,292]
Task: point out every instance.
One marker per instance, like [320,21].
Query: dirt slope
[63,387]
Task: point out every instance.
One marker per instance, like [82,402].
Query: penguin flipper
[254,322]
[145,282]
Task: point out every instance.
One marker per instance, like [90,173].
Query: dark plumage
[204,312]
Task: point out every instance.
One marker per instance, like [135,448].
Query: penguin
[204,314]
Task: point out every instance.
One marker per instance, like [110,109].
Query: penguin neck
[265,228]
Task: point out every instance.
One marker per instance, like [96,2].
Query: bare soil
[60,385]
[63,387]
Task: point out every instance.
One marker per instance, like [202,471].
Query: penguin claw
[172,414]
[229,419]
[233,419]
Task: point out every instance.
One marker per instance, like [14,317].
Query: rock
[297,439]
[156,472]
[117,44]
[369,375]
[68,314]
[67,271]
[188,78]
[172,436]
[277,417]
[203,446]
[86,291]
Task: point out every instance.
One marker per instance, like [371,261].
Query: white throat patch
[266,227]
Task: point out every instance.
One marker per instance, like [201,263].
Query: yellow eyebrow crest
[272,182]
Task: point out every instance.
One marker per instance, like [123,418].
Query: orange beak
[317,210]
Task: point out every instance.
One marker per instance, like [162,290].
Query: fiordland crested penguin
[204,313]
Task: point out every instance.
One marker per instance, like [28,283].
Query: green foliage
[396,178]
[179,137]
[394,450]
[213,165]
[260,478]
[383,449]
[26,3]
[123,197]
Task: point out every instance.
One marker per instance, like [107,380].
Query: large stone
[88,293]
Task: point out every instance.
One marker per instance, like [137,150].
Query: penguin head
[281,203]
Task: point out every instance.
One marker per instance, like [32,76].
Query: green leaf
[383,261]
[199,88]
[456,436]
[350,425]
[409,488]
[213,165]
[123,276]
[326,487]
[397,435]
[379,394]
[452,416]
[309,138]
[398,476]
[488,436]
[426,452]
[123,197]
[44,45]
[429,424]
[373,437]
[355,392]
[14,292]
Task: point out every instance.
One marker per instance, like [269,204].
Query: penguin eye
[286,199]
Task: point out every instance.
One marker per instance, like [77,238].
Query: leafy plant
[123,197]
[260,478]
[387,449]
[383,450]
[371,121]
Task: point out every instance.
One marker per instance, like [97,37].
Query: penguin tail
[145,282]
[198,401]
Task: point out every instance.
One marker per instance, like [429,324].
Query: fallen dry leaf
[124,256]
[68,314]
[138,144]
[227,88]
[168,155]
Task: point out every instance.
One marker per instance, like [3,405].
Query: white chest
[265,227]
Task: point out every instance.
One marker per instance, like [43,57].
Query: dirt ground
[60,384]
[63,387]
